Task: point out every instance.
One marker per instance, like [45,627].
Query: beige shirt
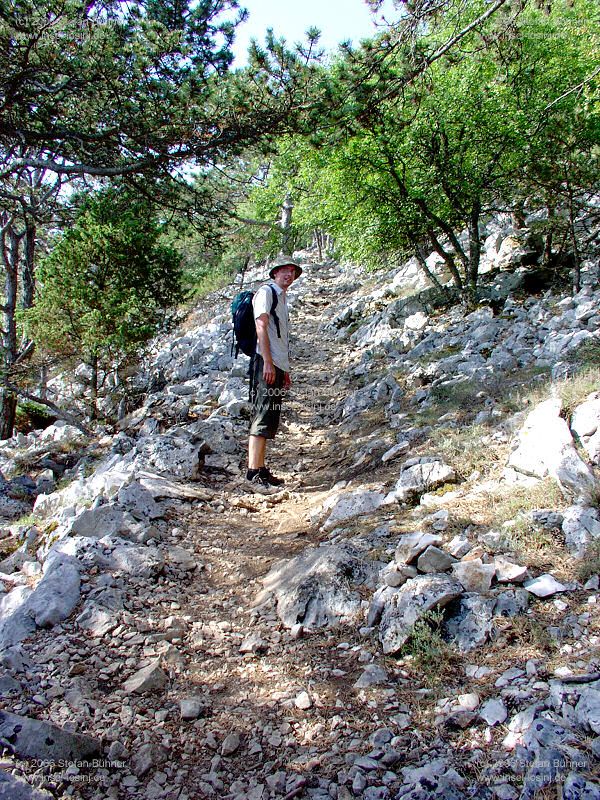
[262,302]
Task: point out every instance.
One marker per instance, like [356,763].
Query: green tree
[138,91]
[107,287]
[419,157]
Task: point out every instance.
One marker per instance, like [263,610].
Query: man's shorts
[265,399]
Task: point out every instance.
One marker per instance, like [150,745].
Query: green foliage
[426,648]
[108,284]
[406,158]
[32,415]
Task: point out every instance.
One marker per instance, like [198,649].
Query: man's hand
[269,372]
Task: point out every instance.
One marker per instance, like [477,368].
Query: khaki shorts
[265,399]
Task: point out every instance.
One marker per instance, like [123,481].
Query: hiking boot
[267,475]
[258,482]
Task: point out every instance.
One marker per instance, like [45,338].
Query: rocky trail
[201,640]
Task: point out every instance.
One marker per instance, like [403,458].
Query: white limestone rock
[169,455]
[545,446]
[587,709]
[509,572]
[409,603]
[544,586]
[474,575]
[136,499]
[581,526]
[14,788]
[57,594]
[104,520]
[141,561]
[434,559]
[493,711]
[319,587]
[33,738]
[61,431]
[231,744]
[191,708]
[181,558]
[419,475]
[15,623]
[459,546]
[147,679]
[411,545]
[372,675]
[303,701]
[96,620]
[471,625]
[416,322]
[348,505]
[395,451]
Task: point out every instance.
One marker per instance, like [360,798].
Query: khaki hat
[284,261]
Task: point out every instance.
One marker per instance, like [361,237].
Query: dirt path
[256,694]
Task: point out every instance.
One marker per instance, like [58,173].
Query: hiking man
[269,367]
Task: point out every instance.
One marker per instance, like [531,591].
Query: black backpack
[244,327]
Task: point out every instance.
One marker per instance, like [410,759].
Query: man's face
[285,276]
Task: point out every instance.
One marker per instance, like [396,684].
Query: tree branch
[58,411]
[455,39]
[574,89]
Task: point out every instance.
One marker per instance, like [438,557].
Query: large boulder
[139,561]
[140,503]
[33,738]
[14,788]
[15,622]
[419,475]
[544,446]
[319,587]
[581,526]
[410,603]
[471,625]
[585,422]
[168,454]
[57,594]
[105,520]
[345,506]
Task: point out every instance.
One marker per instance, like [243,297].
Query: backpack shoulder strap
[273,307]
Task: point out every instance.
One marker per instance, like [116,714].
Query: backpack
[244,327]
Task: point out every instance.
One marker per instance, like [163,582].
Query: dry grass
[471,450]
[590,564]
[576,389]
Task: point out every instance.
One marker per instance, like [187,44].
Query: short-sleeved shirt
[262,302]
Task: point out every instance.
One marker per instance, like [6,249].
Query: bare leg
[256,452]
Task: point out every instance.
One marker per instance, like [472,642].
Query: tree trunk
[547,257]
[10,258]
[318,237]
[29,266]
[518,217]
[287,244]
[8,413]
[574,245]
[474,254]
[94,388]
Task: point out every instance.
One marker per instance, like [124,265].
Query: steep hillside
[414,616]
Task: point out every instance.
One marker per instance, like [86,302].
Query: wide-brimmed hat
[284,261]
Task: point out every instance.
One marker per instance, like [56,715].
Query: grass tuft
[426,649]
[590,563]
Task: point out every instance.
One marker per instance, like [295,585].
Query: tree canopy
[402,146]
[411,160]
